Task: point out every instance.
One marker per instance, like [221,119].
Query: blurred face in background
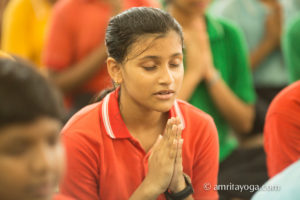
[191,6]
[31,160]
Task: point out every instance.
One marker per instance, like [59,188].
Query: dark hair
[124,29]
[26,95]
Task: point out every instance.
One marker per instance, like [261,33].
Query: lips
[164,94]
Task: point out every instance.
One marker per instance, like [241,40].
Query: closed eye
[174,65]
[150,68]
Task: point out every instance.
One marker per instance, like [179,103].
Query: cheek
[13,176]
[59,161]
[178,76]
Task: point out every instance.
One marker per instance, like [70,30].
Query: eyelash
[154,67]
[174,65]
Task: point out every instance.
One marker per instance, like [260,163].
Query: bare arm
[272,36]
[75,75]
[238,114]
[78,73]
[199,67]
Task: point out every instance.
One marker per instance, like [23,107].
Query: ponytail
[100,96]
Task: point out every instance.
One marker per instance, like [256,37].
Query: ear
[114,70]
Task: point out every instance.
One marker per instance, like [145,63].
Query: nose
[165,76]
[41,160]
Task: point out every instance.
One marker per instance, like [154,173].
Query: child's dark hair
[124,29]
[26,95]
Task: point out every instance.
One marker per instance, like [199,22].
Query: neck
[184,17]
[137,117]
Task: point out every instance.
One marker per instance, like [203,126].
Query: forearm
[76,75]
[145,191]
[261,52]
[237,113]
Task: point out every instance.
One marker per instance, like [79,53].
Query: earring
[116,84]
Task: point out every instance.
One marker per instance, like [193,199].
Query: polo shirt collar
[112,119]
[214,28]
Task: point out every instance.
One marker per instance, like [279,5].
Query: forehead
[156,44]
[34,130]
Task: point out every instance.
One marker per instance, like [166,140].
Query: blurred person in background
[24,28]
[31,153]
[291,48]
[262,22]
[282,130]
[218,81]
[282,146]
[284,185]
[75,52]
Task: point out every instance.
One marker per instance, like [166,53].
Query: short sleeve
[281,142]
[58,53]
[241,78]
[206,165]
[291,49]
[81,180]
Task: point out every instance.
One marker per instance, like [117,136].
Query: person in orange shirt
[75,52]
[139,142]
[282,130]
[31,154]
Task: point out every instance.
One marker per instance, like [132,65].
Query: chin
[163,107]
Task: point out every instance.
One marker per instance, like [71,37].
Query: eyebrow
[158,57]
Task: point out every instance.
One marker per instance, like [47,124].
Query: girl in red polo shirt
[139,142]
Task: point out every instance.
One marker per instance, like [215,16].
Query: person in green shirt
[218,81]
[291,49]
[217,73]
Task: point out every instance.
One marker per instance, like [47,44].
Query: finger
[177,120]
[173,146]
[173,133]
[172,122]
[178,161]
[179,131]
[173,142]
[167,130]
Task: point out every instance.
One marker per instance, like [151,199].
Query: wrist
[270,43]
[182,194]
[151,188]
[212,77]
[180,185]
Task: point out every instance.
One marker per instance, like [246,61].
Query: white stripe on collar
[106,120]
[178,113]
[105,116]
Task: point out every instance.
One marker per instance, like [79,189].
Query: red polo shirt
[77,27]
[105,162]
[62,197]
[282,130]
